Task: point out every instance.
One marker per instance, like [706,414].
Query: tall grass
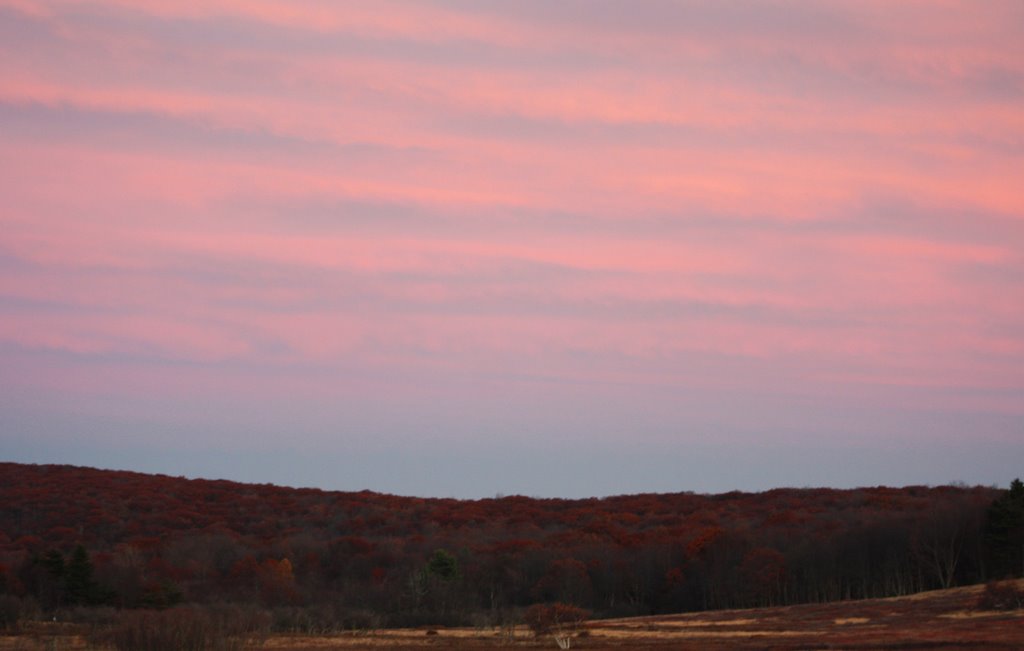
[187,628]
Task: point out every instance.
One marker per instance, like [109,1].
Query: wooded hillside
[79,536]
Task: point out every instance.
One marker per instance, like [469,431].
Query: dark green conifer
[443,565]
[79,585]
[53,562]
[1004,533]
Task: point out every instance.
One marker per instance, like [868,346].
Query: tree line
[77,537]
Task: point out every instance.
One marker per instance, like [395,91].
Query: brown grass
[946,619]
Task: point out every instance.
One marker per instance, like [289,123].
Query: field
[944,619]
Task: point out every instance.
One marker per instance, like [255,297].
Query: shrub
[14,610]
[187,629]
[557,618]
[1002,595]
[95,616]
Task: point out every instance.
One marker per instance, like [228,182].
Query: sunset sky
[469,247]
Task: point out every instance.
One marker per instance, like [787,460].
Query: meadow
[940,619]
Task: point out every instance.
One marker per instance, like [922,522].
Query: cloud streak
[428,204]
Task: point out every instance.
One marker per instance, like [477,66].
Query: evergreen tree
[44,578]
[443,565]
[79,586]
[53,562]
[1004,532]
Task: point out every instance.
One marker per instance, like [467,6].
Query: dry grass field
[945,619]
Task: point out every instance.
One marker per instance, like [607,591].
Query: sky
[463,248]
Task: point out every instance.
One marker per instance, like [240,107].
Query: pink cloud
[298,201]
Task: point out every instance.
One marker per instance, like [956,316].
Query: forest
[74,538]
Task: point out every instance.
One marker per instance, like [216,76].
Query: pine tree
[79,585]
[53,562]
[1004,532]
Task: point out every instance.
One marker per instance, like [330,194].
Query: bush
[187,629]
[1002,595]
[94,616]
[556,618]
[14,610]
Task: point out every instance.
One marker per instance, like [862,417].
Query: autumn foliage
[318,560]
[556,618]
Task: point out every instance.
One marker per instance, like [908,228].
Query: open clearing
[944,619]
